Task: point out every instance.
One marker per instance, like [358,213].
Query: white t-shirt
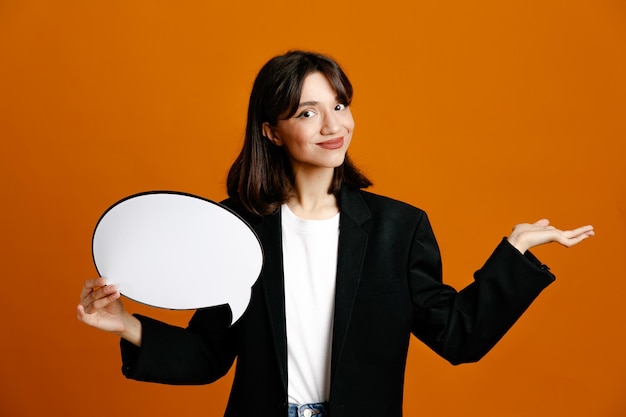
[310,267]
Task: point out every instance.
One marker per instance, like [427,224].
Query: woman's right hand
[100,307]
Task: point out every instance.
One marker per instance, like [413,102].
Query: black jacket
[389,285]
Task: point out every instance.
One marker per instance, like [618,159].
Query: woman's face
[317,136]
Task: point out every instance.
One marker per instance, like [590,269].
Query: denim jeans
[308,410]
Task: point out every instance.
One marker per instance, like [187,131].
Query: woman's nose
[330,124]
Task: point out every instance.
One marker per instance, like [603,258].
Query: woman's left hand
[525,236]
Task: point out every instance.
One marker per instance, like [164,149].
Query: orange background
[515,111]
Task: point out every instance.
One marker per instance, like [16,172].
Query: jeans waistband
[308,410]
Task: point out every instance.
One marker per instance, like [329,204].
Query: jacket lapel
[351,253]
[269,232]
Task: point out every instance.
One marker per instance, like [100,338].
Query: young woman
[348,275]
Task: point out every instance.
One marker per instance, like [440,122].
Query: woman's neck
[311,199]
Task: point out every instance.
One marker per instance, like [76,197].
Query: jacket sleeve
[463,326]
[199,354]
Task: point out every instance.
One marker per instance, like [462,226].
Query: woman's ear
[270,133]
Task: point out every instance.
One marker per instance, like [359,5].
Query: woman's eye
[340,106]
[306,114]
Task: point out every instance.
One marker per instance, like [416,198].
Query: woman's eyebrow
[308,103]
[313,103]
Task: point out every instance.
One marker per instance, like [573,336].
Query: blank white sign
[177,251]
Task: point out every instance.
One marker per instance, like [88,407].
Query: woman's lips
[332,143]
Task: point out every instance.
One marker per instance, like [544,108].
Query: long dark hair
[261,178]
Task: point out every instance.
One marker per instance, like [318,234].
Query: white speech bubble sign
[177,251]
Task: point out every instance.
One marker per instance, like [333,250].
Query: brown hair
[261,178]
